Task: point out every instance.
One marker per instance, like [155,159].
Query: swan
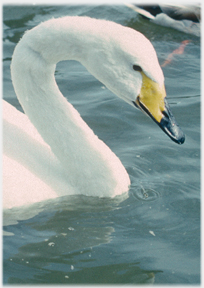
[175,11]
[50,151]
[185,18]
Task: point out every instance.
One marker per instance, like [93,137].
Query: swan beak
[152,101]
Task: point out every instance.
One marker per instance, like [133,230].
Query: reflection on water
[66,253]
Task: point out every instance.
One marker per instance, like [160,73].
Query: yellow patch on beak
[151,98]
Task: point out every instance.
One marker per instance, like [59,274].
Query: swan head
[123,59]
[128,65]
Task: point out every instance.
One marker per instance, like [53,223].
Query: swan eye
[137,68]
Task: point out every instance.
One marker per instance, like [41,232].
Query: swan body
[185,18]
[50,151]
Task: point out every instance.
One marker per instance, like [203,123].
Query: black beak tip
[181,138]
[167,124]
[172,129]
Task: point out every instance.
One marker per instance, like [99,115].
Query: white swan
[50,151]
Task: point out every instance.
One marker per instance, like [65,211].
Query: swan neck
[60,125]
[64,38]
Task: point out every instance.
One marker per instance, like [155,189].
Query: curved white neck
[60,125]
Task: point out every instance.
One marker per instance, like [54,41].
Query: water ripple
[145,194]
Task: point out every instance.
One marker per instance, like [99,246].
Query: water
[154,234]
